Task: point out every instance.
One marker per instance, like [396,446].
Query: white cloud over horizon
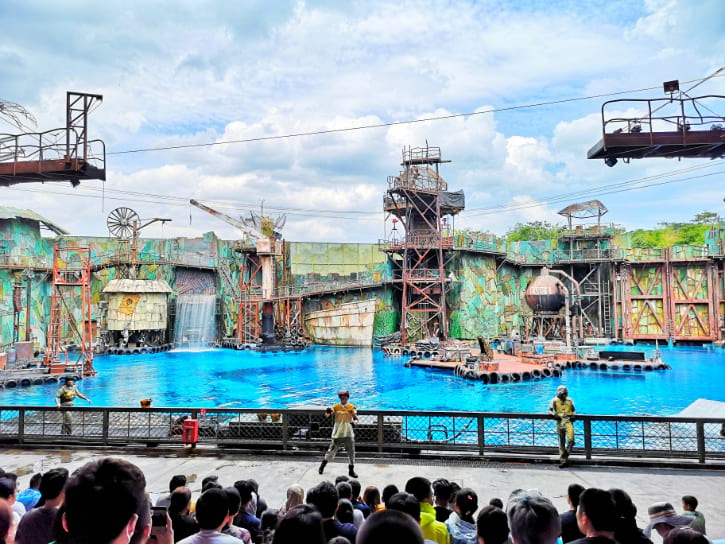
[179,73]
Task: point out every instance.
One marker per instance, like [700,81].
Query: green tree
[534,230]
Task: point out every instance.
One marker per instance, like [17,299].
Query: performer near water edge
[342,431]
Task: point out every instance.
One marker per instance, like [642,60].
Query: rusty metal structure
[684,127]
[419,199]
[59,154]
[71,281]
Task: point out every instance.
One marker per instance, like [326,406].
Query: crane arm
[246,229]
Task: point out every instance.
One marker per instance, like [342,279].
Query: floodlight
[671,86]
[610,161]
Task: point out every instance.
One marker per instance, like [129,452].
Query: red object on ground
[190,431]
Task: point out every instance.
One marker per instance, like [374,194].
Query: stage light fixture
[610,161]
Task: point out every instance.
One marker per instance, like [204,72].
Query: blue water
[242,379]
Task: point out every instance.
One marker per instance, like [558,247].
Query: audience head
[338,540]
[212,484]
[7,489]
[689,503]
[35,481]
[442,491]
[344,490]
[102,500]
[269,520]
[389,527]
[405,502]
[356,487]
[212,509]
[324,497]
[302,523]
[420,488]
[492,525]
[466,503]
[295,496]
[52,484]
[662,518]
[234,501]
[623,505]
[498,503]
[7,521]
[685,535]
[344,511]
[178,480]
[389,491]
[371,497]
[573,493]
[245,489]
[532,518]
[180,501]
[596,512]
[341,478]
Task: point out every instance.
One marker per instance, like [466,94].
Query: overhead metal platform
[663,127]
[61,154]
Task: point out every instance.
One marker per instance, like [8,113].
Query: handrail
[692,441]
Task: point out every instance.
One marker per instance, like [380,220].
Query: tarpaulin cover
[453,199]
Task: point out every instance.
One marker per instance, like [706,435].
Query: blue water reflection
[226,378]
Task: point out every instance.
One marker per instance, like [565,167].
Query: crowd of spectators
[105,502]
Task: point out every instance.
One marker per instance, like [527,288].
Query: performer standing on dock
[64,398]
[562,409]
[342,432]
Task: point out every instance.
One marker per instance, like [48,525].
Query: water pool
[243,379]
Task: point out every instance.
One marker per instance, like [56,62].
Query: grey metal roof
[6,212]
[137,286]
[582,210]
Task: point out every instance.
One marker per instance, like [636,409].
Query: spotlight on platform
[610,161]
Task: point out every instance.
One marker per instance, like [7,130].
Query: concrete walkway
[275,474]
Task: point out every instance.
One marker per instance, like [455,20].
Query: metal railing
[695,440]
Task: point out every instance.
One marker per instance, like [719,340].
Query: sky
[175,73]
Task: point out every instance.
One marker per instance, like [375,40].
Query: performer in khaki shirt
[342,432]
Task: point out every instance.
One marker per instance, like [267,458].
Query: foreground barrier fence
[424,433]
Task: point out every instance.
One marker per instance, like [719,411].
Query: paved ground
[275,474]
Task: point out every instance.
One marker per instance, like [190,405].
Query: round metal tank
[545,294]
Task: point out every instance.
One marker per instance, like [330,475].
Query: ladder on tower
[606,315]
[71,279]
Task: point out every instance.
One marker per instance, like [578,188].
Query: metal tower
[71,274]
[419,199]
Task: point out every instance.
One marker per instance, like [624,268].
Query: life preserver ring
[25,382]
[556,372]
[526,375]
[515,377]
[484,377]
[546,373]
[10,384]
[536,373]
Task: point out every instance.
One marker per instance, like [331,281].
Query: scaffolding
[60,154]
[71,283]
[418,197]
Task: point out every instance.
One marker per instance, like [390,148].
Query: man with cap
[342,431]
[562,409]
[663,518]
[36,527]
